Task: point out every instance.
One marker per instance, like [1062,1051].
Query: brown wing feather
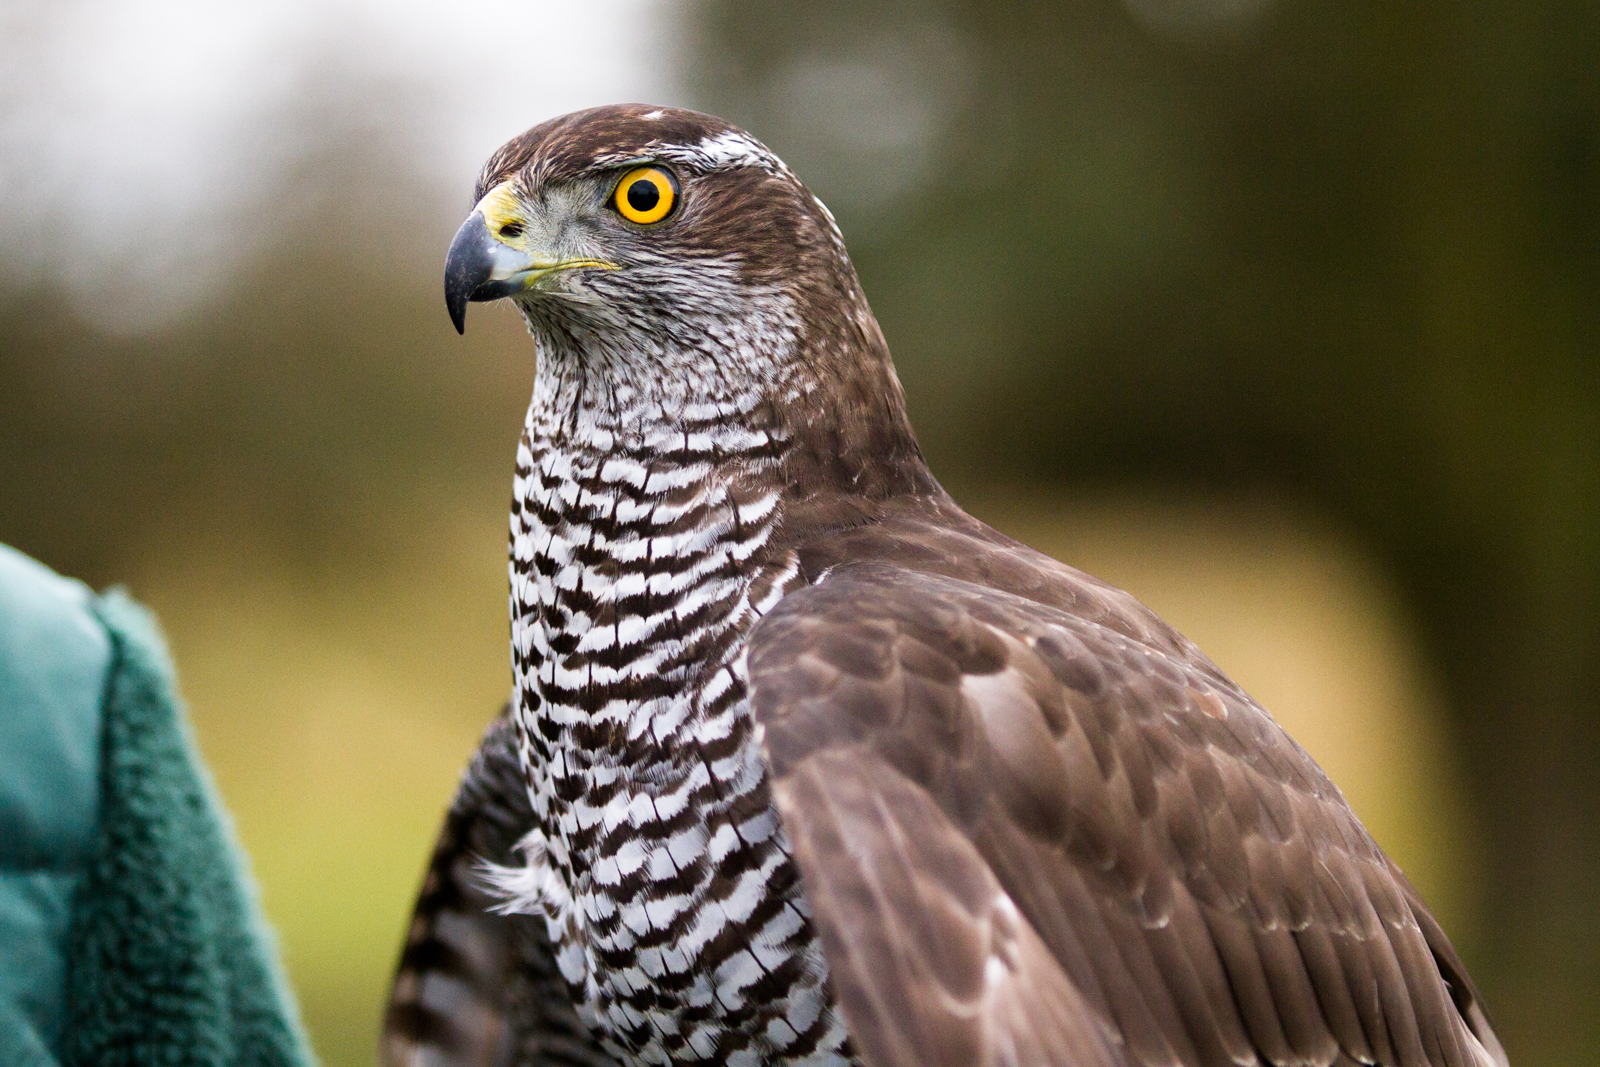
[475,988]
[956,978]
[1204,890]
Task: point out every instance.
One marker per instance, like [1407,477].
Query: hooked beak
[480,267]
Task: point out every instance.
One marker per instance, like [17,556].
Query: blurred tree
[1351,253]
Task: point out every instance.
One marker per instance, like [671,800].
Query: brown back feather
[1198,879]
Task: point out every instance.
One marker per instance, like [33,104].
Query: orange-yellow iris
[644,195]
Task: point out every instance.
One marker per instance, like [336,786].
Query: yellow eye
[645,194]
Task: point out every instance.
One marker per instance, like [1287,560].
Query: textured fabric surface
[169,961]
[54,655]
[128,929]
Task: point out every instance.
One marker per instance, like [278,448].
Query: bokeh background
[1280,313]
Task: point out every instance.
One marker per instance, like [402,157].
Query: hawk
[805,765]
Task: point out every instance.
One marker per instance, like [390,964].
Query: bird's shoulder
[929,536]
[1003,778]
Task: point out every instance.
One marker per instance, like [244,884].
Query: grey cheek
[592,237]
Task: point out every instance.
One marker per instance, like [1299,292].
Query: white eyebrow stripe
[731,148]
[721,151]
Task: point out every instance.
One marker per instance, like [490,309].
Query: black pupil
[643,195]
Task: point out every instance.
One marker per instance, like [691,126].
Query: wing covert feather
[1199,883]
[957,979]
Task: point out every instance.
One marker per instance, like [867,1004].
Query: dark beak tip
[467,267]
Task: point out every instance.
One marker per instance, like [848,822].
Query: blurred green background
[1280,313]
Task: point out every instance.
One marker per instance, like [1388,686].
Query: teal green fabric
[54,660]
[129,933]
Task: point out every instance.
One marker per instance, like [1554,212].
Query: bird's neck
[641,550]
[648,515]
[756,407]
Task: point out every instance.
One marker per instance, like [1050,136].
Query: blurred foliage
[1343,255]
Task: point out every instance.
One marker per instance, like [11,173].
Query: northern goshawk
[805,765]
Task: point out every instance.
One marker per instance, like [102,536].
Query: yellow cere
[502,211]
[644,195]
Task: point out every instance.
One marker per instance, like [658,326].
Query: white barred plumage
[660,864]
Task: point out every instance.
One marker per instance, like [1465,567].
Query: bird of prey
[805,765]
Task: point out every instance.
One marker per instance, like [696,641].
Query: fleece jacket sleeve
[129,930]
[169,961]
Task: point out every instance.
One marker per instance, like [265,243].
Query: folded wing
[1028,838]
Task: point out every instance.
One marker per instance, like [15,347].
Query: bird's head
[672,269]
[653,228]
